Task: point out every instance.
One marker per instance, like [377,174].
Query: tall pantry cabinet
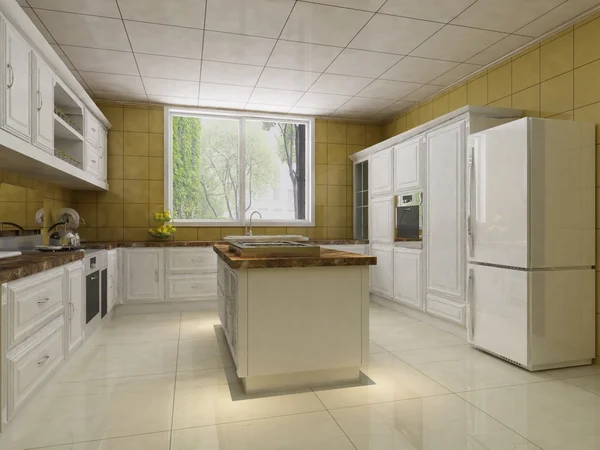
[430,275]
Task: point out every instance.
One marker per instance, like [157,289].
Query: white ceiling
[364,59]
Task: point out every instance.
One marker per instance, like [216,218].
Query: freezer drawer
[497,311]
[537,319]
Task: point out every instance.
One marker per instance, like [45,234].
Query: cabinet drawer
[32,302]
[92,127]
[190,288]
[31,363]
[180,261]
[93,160]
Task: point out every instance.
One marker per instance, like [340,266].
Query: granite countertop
[170,243]
[32,263]
[328,258]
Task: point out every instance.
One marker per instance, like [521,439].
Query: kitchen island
[294,322]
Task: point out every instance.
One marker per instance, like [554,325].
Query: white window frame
[169,112]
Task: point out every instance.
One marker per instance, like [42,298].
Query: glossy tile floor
[165,381]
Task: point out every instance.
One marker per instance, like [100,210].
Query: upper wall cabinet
[380,178]
[16,78]
[407,167]
[43,102]
[44,125]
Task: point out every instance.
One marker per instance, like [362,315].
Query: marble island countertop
[171,243]
[328,258]
[32,263]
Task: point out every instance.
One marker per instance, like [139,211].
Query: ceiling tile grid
[358,59]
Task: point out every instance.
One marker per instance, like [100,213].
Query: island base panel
[300,380]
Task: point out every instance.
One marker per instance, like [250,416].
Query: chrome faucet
[249,230]
[12,225]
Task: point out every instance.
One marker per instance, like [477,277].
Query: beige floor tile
[410,336]
[313,431]
[589,383]
[95,410]
[153,441]
[374,348]
[463,368]
[380,316]
[552,415]
[210,353]
[123,360]
[435,423]
[572,372]
[385,379]
[200,325]
[197,404]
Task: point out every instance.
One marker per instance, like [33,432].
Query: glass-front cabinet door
[361,200]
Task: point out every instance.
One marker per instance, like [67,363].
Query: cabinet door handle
[93,130]
[40,102]
[156,275]
[94,161]
[12,76]
[72,310]
[44,300]
[95,277]
[43,360]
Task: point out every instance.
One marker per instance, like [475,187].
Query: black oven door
[92,296]
[408,223]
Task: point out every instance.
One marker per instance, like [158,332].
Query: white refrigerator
[531,242]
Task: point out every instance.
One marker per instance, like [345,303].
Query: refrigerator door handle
[470,308]
[470,197]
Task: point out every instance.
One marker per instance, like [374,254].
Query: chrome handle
[12,76]
[470,195]
[94,130]
[156,275]
[45,300]
[196,260]
[470,308]
[94,161]
[43,360]
[72,310]
[40,101]
[94,277]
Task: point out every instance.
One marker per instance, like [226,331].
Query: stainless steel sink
[274,249]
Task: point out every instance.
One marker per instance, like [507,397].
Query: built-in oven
[95,287]
[408,223]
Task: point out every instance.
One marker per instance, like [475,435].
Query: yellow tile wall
[21,197]
[556,78]
[136,179]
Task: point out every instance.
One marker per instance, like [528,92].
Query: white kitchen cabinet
[191,287]
[30,365]
[407,166]
[74,293]
[43,104]
[92,129]
[382,220]
[445,207]
[408,277]
[143,272]
[32,302]
[382,275]
[113,278]
[183,261]
[103,154]
[16,69]
[380,176]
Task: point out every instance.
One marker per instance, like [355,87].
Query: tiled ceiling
[363,59]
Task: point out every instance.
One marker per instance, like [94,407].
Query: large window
[223,167]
